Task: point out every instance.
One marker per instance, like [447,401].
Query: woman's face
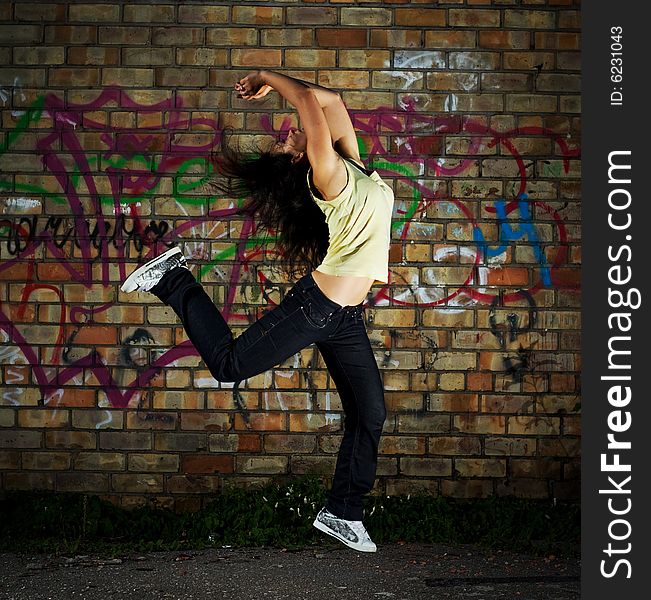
[295,143]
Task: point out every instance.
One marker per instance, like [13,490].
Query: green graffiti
[412,208]
[32,115]
[191,174]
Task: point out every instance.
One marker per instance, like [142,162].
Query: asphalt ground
[324,572]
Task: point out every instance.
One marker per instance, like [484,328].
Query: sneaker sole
[321,527]
[129,284]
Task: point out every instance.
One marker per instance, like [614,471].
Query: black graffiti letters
[93,234]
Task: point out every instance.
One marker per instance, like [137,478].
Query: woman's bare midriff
[345,290]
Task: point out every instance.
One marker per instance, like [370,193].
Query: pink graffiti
[146,141]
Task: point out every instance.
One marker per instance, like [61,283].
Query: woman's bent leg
[277,335]
[351,363]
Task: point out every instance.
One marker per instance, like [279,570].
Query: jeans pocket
[315,315]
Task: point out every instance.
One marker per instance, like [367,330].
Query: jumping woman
[332,217]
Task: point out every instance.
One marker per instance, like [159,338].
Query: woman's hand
[252,86]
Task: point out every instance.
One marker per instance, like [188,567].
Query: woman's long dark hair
[277,197]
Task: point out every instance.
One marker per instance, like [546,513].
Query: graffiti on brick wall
[99,175]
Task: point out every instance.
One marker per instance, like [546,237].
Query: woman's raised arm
[329,172]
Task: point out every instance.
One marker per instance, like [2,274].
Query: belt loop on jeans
[307,282]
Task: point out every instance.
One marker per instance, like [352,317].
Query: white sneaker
[148,275]
[351,533]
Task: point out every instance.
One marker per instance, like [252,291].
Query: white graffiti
[107,421]
[11,355]
[16,89]
[451,101]
[19,204]
[408,77]
[330,417]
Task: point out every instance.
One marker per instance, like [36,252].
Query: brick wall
[110,110]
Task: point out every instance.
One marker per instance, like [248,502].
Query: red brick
[558,41]
[396,38]
[77,397]
[225,442]
[424,17]
[286,37]
[256,57]
[266,421]
[95,335]
[450,39]
[453,402]
[196,13]
[312,15]
[260,15]
[207,463]
[504,39]
[232,36]
[479,381]
[341,38]
[473,17]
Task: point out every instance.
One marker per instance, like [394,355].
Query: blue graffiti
[507,233]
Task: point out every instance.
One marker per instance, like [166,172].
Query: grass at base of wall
[280,515]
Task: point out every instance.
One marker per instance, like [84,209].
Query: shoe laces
[360,530]
[356,526]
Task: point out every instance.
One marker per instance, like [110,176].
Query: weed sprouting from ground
[280,515]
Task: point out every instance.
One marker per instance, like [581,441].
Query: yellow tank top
[359,224]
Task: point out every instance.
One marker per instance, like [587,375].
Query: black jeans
[305,316]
